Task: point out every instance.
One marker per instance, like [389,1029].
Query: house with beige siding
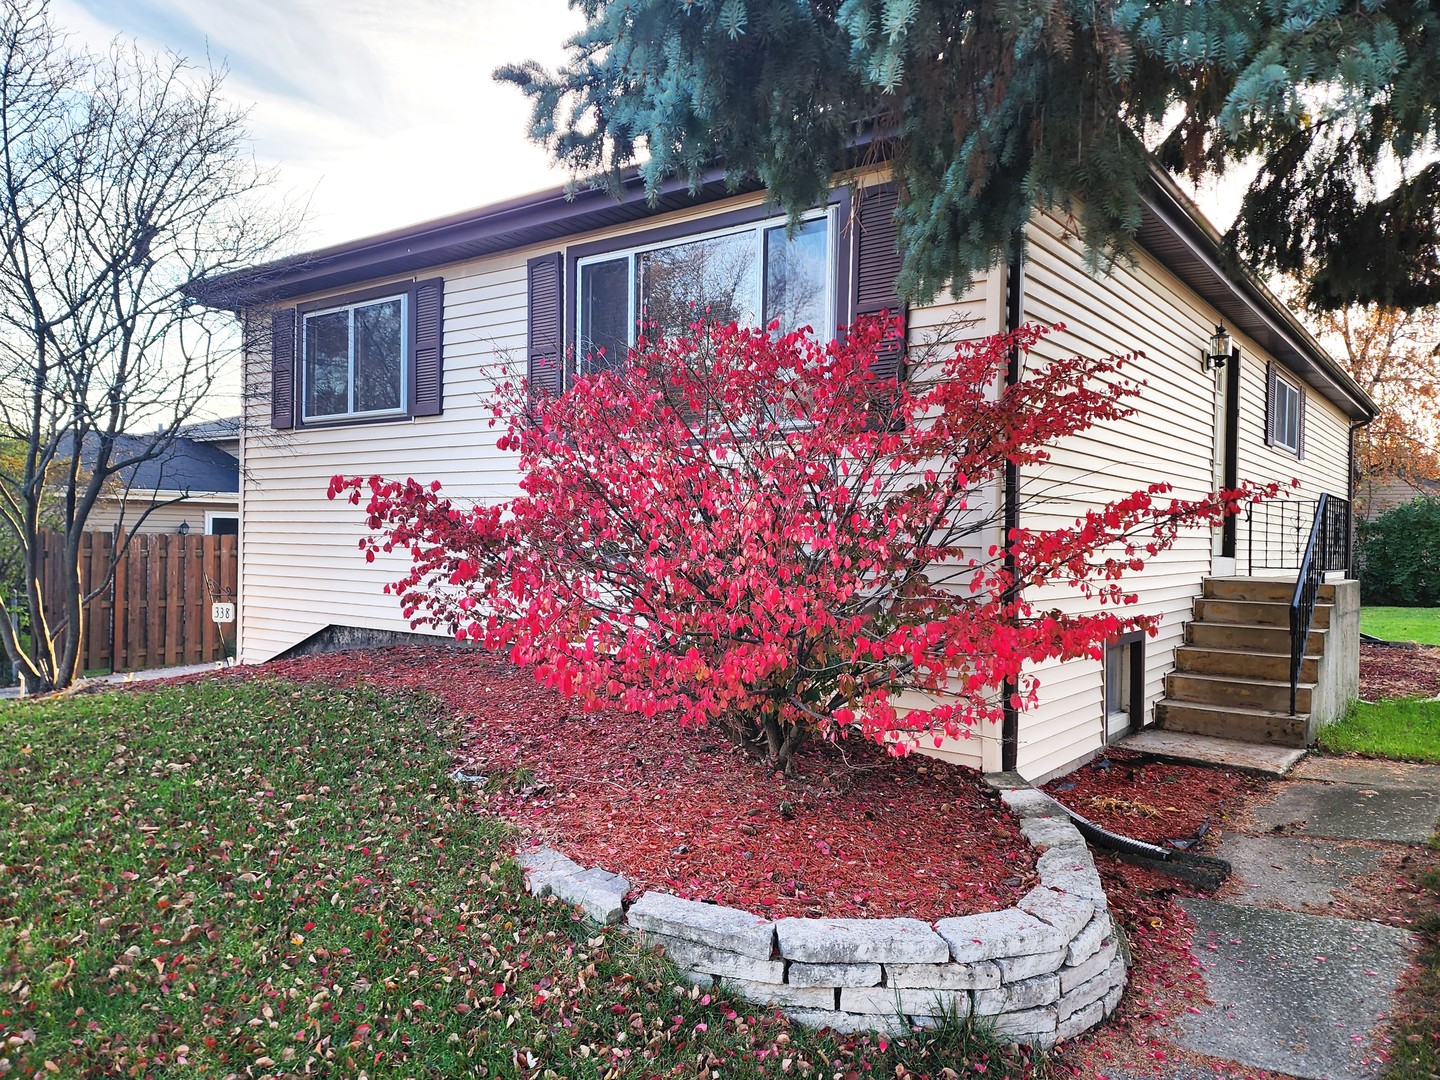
[378,356]
[191,487]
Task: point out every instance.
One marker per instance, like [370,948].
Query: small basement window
[353,360]
[1124,685]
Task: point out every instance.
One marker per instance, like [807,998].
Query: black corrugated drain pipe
[1203,871]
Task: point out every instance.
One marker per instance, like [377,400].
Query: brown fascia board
[519,222]
[1175,231]
[1172,229]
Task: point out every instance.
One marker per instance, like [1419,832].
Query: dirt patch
[856,833]
[1390,671]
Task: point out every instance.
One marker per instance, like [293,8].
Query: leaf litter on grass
[266,879]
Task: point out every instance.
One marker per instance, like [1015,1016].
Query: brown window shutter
[1270,395]
[1300,434]
[877,265]
[427,386]
[543,368]
[282,368]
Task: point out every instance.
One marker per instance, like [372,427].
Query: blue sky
[376,112]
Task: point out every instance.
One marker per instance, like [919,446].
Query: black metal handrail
[1327,548]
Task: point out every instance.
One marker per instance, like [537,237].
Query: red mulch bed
[855,833]
[1395,671]
[1154,801]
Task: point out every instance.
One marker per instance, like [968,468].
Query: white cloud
[379,114]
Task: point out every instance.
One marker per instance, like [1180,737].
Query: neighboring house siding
[164,519]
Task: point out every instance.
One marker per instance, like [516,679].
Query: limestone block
[795,997]
[981,975]
[1077,882]
[1048,832]
[1026,1023]
[599,893]
[860,941]
[1064,911]
[1080,1021]
[1016,968]
[694,956]
[1112,999]
[1085,994]
[1083,973]
[1019,996]
[834,974]
[993,934]
[1088,941]
[1027,803]
[543,866]
[892,1000]
[709,924]
[849,1023]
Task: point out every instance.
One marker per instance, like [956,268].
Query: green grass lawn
[1405,729]
[1402,624]
[266,879]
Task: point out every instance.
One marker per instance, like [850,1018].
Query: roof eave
[1175,232]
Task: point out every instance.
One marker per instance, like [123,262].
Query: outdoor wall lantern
[184,529]
[1219,350]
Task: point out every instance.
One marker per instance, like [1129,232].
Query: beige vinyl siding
[979,312]
[163,519]
[301,568]
[1170,437]
[1323,468]
[1142,307]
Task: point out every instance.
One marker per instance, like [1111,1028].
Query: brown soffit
[1173,229]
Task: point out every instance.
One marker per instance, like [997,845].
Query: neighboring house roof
[187,466]
[1172,229]
[226,429]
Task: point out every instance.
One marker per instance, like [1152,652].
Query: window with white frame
[753,274]
[353,359]
[1286,415]
[221,524]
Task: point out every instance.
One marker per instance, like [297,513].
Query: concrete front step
[1255,612]
[1266,639]
[1225,690]
[1271,590]
[1233,722]
[1244,664]
[1213,750]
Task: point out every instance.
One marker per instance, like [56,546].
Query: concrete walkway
[134,676]
[1294,988]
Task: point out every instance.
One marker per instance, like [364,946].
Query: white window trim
[1277,436]
[351,308]
[211,516]
[757,228]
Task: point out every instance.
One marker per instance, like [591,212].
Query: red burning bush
[753,529]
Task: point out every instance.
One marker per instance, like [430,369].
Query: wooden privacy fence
[157,611]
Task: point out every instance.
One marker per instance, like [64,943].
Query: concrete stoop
[1232,675]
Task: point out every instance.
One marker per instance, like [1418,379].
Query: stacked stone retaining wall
[1049,968]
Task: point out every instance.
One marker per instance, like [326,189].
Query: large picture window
[353,360]
[753,274]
